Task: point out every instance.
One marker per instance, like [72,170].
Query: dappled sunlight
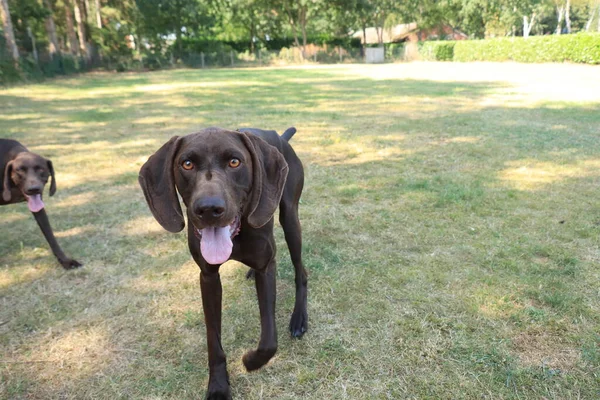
[142,226]
[457,139]
[231,269]
[532,175]
[332,147]
[164,247]
[166,87]
[91,147]
[27,116]
[77,353]
[499,307]
[462,139]
[76,231]
[531,83]
[153,120]
[9,218]
[22,272]
[75,200]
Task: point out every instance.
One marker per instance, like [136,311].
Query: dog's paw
[69,263]
[299,323]
[218,395]
[254,359]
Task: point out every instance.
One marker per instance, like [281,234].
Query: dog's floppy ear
[53,183]
[6,181]
[269,173]
[158,183]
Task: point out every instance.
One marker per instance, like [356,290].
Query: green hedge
[578,48]
[437,50]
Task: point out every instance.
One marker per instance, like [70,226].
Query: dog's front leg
[212,292]
[42,220]
[267,346]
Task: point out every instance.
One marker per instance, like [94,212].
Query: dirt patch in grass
[535,348]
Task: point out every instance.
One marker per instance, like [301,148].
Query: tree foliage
[128,27]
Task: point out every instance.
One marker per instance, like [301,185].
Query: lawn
[451,221]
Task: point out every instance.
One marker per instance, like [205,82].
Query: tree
[79,18]
[53,47]
[381,11]
[98,16]
[177,17]
[9,33]
[299,13]
[71,35]
[256,18]
[594,12]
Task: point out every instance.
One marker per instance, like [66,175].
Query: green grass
[451,225]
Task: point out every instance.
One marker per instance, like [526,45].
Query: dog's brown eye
[187,165]
[234,163]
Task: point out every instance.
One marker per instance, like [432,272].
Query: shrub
[394,51]
[437,50]
[578,48]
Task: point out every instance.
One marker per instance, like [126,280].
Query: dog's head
[222,177]
[29,173]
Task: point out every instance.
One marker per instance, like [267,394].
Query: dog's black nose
[209,209]
[31,190]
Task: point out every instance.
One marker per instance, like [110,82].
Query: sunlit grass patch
[450,220]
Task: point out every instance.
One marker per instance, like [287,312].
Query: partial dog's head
[222,177]
[29,173]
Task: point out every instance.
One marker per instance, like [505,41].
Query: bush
[437,50]
[395,51]
[578,48]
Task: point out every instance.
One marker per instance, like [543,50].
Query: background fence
[31,68]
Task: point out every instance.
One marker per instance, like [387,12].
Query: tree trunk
[379,28]
[80,29]
[33,46]
[560,12]
[295,33]
[252,37]
[51,30]
[303,25]
[588,24]
[9,34]
[568,16]
[98,17]
[364,44]
[73,47]
[527,25]
[290,15]
[86,11]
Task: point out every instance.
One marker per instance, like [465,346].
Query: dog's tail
[289,132]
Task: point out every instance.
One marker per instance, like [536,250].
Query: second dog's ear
[53,183]
[158,183]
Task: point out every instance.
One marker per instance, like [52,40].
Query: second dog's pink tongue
[215,244]
[35,203]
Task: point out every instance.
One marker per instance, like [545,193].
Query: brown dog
[231,184]
[24,175]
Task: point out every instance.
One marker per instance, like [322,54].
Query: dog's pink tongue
[35,203]
[216,244]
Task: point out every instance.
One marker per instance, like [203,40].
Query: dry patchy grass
[451,223]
